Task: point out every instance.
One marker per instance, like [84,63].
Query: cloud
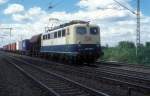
[19,17]
[31,14]
[88,4]
[3,1]
[98,4]
[115,25]
[14,8]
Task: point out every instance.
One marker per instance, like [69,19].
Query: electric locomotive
[76,42]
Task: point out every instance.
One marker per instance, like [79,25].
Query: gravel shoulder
[14,83]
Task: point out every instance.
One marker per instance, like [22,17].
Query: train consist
[76,42]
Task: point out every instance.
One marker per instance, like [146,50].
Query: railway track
[118,70]
[18,84]
[135,76]
[115,63]
[58,85]
[131,83]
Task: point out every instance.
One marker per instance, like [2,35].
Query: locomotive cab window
[81,30]
[94,30]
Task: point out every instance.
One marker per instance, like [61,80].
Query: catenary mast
[138,37]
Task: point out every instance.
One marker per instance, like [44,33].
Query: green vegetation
[126,52]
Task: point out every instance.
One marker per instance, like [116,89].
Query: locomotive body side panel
[59,44]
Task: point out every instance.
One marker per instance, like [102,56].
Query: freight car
[10,47]
[35,45]
[23,47]
[13,47]
[20,47]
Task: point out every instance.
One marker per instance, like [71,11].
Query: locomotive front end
[88,42]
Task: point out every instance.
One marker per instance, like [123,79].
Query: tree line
[125,51]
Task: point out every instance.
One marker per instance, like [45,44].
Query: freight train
[75,42]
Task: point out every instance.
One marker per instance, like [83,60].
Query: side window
[52,35]
[48,36]
[68,31]
[81,30]
[94,30]
[55,34]
[43,37]
[63,32]
[59,33]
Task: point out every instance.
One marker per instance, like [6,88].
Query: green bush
[126,52]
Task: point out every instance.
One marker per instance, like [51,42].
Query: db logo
[88,38]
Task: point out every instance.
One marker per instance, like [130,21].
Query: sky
[30,17]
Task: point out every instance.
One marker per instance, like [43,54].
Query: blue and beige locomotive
[76,41]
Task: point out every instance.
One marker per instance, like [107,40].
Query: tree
[147,44]
[126,44]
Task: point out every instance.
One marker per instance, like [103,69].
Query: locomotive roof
[68,24]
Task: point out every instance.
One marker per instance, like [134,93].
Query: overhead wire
[125,7]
